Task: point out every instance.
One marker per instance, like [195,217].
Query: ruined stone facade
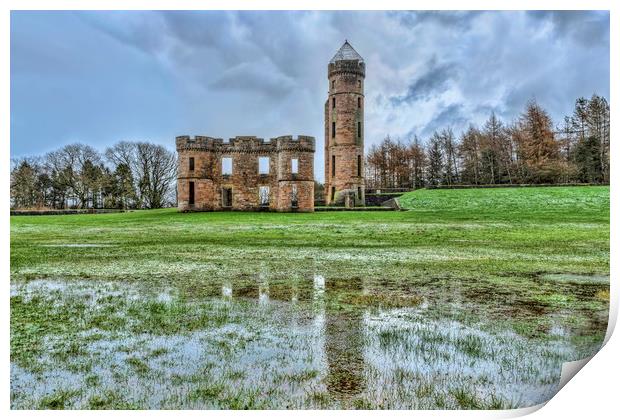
[344,129]
[246,173]
[218,175]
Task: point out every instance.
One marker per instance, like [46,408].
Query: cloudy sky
[102,77]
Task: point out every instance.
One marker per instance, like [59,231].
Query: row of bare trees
[528,150]
[126,175]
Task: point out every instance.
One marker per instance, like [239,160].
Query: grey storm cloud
[449,116]
[142,31]
[125,75]
[455,19]
[433,81]
[584,29]
[256,48]
[257,76]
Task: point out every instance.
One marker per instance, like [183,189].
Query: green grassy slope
[555,204]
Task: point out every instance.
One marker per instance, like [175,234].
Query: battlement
[347,66]
[246,144]
[300,143]
[197,142]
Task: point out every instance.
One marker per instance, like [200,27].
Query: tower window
[227,166]
[333,193]
[359,165]
[359,83]
[263,196]
[294,198]
[333,165]
[333,83]
[334,103]
[333,129]
[294,166]
[263,165]
[191,164]
[359,129]
[191,193]
[359,102]
[359,193]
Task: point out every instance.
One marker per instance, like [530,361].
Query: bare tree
[418,162]
[152,170]
[538,147]
[451,151]
[156,172]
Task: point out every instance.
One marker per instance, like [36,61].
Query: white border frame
[593,393]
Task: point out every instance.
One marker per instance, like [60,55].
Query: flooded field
[472,299]
[305,342]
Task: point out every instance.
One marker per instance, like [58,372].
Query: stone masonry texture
[285,190]
[344,131]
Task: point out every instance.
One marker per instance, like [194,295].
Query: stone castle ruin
[250,173]
[246,173]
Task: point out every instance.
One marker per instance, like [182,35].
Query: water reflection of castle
[342,331]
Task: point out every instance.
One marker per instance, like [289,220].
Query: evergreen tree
[124,190]
[587,160]
[434,171]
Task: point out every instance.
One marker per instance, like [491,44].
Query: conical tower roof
[346,52]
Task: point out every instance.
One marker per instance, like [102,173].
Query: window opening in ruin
[333,130]
[294,166]
[359,83]
[333,193]
[226,197]
[359,129]
[333,103]
[227,166]
[191,193]
[263,196]
[359,102]
[359,193]
[191,164]
[294,200]
[263,165]
[333,83]
[333,165]
[359,165]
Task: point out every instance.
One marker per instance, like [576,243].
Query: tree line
[128,175]
[528,150]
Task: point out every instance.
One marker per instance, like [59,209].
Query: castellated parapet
[246,173]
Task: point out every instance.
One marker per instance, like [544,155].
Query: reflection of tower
[263,287]
[344,346]
[227,290]
[344,128]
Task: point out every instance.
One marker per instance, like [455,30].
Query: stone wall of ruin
[245,180]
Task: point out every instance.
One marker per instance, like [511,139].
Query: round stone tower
[344,129]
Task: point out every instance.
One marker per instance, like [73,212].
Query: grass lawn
[472,298]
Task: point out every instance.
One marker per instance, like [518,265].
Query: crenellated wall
[287,191]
